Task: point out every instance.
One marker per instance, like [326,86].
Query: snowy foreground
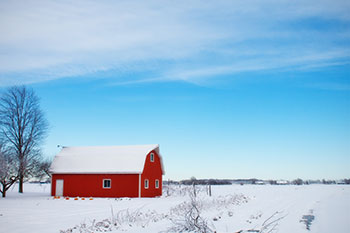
[232,208]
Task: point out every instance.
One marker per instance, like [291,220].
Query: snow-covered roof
[282,182]
[102,159]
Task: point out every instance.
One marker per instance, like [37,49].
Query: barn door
[59,187]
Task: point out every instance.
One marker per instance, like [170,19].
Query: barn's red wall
[151,171]
[90,185]
[123,185]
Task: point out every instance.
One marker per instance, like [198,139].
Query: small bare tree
[190,217]
[8,173]
[22,128]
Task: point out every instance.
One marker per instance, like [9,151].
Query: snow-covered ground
[231,208]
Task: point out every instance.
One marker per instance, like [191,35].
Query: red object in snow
[117,171]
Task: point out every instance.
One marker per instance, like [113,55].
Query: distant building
[340,182]
[282,182]
[107,171]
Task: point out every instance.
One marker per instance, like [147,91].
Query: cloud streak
[181,40]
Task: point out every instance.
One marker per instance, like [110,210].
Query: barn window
[107,183]
[146,184]
[152,157]
[157,184]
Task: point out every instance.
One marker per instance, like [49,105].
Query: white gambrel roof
[102,159]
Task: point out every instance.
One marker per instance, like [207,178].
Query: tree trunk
[3,190]
[20,184]
[21,172]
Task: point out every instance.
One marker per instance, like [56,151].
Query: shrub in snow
[185,217]
[122,219]
[138,218]
[226,201]
[95,226]
[188,217]
[177,190]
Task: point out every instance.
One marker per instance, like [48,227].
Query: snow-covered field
[232,208]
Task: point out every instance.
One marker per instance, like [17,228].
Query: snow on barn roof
[102,159]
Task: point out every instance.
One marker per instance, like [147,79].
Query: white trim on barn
[107,185]
[139,185]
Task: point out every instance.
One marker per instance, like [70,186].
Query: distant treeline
[206,182]
[253,181]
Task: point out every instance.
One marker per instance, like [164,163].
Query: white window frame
[103,184]
[152,157]
[146,183]
[156,184]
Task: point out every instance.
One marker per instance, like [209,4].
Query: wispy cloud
[189,40]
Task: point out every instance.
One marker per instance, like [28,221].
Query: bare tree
[8,173]
[22,128]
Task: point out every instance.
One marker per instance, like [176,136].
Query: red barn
[107,171]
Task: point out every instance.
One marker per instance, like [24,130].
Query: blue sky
[229,89]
